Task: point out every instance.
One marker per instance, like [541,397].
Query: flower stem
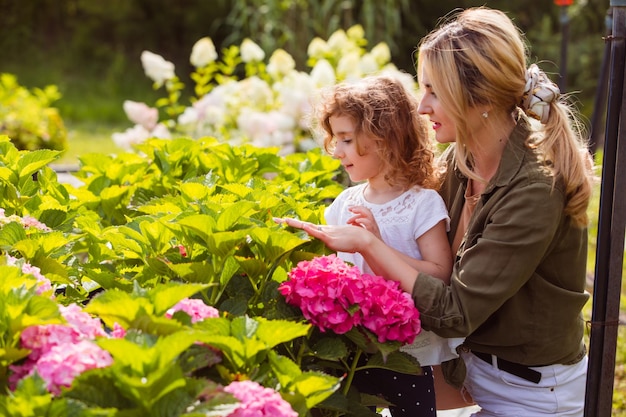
[352,371]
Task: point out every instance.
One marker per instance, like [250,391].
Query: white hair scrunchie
[538,94]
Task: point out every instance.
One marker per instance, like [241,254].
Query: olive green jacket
[518,283]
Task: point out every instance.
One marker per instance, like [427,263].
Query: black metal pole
[599,102]
[610,242]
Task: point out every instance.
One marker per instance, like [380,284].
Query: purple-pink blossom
[61,364]
[60,352]
[88,326]
[256,400]
[195,308]
[334,295]
[43,284]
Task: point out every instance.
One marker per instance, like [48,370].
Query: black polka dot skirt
[412,395]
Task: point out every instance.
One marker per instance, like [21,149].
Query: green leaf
[201,272]
[330,348]
[165,296]
[230,216]
[11,233]
[32,161]
[97,387]
[192,191]
[203,225]
[275,332]
[315,387]
[396,361]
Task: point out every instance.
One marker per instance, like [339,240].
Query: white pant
[561,391]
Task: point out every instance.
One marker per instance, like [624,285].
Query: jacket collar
[515,151]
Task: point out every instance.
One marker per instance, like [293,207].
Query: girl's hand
[338,238]
[364,218]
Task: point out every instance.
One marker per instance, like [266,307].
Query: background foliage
[90,50]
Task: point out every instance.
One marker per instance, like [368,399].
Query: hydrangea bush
[150,285]
[240,97]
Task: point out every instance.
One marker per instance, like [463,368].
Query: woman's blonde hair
[478,58]
[386,111]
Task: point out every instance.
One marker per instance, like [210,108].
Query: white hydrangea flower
[251,52]
[141,114]
[348,66]
[255,91]
[189,116]
[130,137]
[318,48]
[381,53]
[339,41]
[356,32]
[161,131]
[323,74]
[280,63]
[203,52]
[139,134]
[157,68]
[368,64]
[294,93]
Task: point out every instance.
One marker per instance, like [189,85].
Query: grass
[89,137]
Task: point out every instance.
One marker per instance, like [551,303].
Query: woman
[517,192]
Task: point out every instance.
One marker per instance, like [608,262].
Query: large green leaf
[167,295]
[31,162]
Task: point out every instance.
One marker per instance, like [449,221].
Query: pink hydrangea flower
[391,314]
[49,342]
[196,309]
[42,338]
[118,331]
[258,401]
[29,221]
[61,364]
[89,327]
[26,221]
[334,295]
[43,284]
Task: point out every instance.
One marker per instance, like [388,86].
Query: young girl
[373,128]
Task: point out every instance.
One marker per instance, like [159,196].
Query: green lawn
[88,137]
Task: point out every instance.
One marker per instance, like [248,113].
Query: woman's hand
[338,238]
[363,217]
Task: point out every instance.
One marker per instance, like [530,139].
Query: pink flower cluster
[196,309]
[43,284]
[334,295]
[26,221]
[60,352]
[258,401]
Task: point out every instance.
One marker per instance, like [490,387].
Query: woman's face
[444,126]
[360,167]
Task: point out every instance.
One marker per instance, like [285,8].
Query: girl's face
[366,166]
[444,127]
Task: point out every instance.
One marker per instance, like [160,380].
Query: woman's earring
[485,115]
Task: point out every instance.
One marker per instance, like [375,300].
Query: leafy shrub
[135,236]
[27,117]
